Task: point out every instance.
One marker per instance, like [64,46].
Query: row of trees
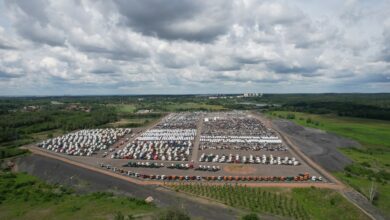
[340,108]
[254,199]
[17,125]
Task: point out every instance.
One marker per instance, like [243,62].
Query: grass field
[304,203]
[187,106]
[371,162]
[25,197]
[125,108]
[46,134]
[8,149]
[129,122]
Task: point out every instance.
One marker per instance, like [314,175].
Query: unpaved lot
[320,146]
[84,180]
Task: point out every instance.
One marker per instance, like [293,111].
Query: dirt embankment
[320,146]
[83,180]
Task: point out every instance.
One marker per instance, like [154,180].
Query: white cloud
[192,47]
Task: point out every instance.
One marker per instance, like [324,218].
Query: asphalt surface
[55,171]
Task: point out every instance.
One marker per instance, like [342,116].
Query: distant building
[253,94]
[218,96]
[56,103]
[76,107]
[31,108]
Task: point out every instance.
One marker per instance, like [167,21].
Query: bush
[251,216]
[172,214]
[290,116]
[119,216]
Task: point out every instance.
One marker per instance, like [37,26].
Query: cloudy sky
[57,47]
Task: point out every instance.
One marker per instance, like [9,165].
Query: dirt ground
[239,169]
[84,180]
[320,146]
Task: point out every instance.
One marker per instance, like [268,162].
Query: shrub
[251,216]
[172,214]
[290,116]
[119,216]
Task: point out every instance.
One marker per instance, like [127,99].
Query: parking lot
[199,146]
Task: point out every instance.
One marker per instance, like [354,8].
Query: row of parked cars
[180,166]
[298,178]
[216,158]
[85,142]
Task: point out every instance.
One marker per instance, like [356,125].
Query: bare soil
[239,169]
[84,180]
[320,146]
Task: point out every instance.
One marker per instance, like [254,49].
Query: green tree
[172,214]
[119,216]
[251,216]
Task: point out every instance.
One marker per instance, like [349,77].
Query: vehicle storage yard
[197,146]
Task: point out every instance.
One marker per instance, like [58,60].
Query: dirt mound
[318,145]
[239,169]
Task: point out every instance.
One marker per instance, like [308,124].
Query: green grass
[326,204]
[369,132]
[129,122]
[47,134]
[125,108]
[304,203]
[371,161]
[9,149]
[188,106]
[25,197]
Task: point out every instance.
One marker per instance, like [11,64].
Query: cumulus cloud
[183,46]
[178,19]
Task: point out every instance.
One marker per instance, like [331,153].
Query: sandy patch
[239,169]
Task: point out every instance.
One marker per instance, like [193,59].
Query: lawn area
[129,122]
[369,132]
[25,197]
[303,203]
[46,134]
[371,162]
[125,108]
[9,149]
[187,106]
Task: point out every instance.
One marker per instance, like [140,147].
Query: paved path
[195,148]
